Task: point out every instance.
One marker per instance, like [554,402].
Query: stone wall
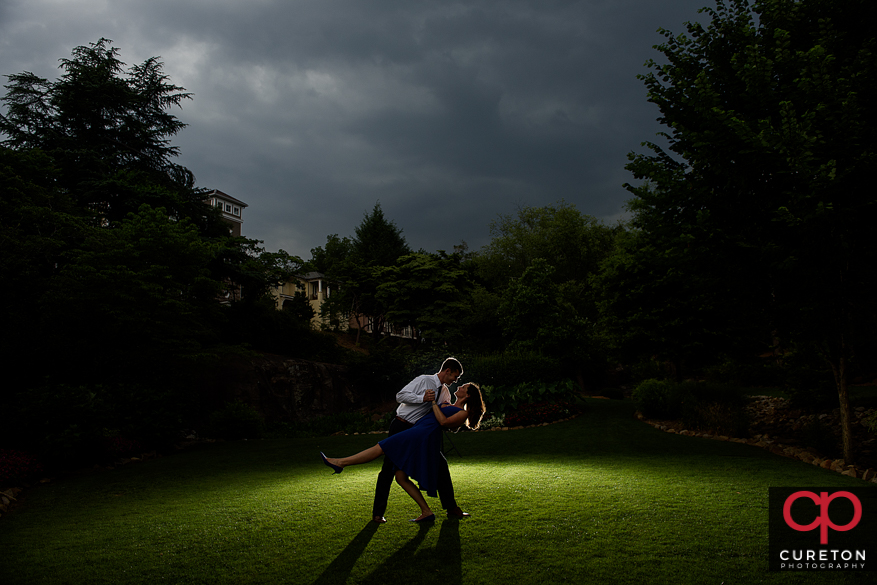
[282,389]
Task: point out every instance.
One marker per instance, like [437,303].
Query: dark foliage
[540,412]
[17,467]
[701,406]
[236,420]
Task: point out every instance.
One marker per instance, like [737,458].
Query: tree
[358,265]
[138,299]
[659,298]
[572,242]
[537,315]
[770,148]
[429,292]
[536,274]
[111,262]
[331,258]
[108,130]
[378,241]
[37,226]
[249,271]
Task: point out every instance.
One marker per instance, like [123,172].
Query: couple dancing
[413,447]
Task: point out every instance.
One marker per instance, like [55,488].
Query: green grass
[600,499]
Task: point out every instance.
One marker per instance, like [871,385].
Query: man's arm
[417,391]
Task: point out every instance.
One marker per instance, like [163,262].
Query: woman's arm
[449,422]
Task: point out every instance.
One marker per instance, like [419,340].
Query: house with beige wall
[316,287]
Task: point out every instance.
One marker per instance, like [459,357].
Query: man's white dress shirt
[410,398]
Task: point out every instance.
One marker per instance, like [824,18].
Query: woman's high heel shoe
[430,518]
[335,467]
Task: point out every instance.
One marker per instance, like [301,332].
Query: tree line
[749,230]
[113,267]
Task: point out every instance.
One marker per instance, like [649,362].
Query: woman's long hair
[474,406]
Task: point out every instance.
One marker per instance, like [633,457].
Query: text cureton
[822,555]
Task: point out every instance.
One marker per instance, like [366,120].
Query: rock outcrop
[283,389]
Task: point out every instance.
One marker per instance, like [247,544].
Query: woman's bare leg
[369,454]
[415,494]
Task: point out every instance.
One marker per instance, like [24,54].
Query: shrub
[719,417]
[647,369]
[495,420]
[345,422]
[429,360]
[809,381]
[119,446]
[871,423]
[540,412]
[237,420]
[658,399]
[65,425]
[751,372]
[703,406]
[17,467]
[504,399]
[511,369]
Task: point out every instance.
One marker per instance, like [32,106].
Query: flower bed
[17,467]
[540,412]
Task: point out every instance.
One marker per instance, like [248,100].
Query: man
[415,401]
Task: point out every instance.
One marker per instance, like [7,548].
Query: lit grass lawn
[600,499]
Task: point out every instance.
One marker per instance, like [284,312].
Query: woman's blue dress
[416,450]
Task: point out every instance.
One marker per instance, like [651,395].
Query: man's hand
[429,396]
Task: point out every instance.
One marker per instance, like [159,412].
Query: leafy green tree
[138,299]
[531,316]
[559,248]
[572,242]
[429,292]
[659,297]
[538,315]
[377,245]
[37,226]
[331,258]
[770,147]
[249,271]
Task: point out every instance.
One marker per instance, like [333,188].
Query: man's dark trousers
[385,477]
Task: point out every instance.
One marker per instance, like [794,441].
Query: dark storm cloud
[448,113]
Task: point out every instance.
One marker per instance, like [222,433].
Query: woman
[414,452]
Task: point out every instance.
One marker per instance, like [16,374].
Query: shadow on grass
[339,570]
[443,564]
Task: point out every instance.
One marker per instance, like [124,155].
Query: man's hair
[453,364]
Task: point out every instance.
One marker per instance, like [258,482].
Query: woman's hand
[449,422]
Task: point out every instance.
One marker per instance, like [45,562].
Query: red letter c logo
[823,521]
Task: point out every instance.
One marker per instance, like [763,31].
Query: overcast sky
[447,113]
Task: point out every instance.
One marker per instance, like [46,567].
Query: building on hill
[317,289]
[232,209]
[232,212]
